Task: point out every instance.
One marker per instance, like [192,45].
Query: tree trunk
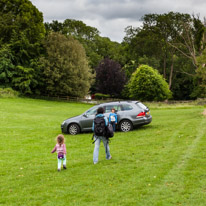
[171,73]
[164,71]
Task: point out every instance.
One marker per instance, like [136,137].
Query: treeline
[165,58]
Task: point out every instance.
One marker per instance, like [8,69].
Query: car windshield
[92,111]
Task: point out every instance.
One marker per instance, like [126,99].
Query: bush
[101,96]
[110,78]
[147,84]
[8,92]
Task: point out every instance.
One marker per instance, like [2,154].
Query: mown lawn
[163,163]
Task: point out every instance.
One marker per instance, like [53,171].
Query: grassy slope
[159,164]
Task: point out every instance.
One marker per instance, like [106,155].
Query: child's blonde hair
[60,139]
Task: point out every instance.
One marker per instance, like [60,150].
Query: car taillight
[141,114]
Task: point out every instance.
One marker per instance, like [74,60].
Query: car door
[87,119]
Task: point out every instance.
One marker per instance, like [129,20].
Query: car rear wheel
[126,125]
[73,129]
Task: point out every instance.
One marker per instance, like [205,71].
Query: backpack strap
[93,139]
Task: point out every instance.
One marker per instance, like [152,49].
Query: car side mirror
[85,115]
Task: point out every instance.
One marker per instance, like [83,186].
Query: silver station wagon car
[129,115]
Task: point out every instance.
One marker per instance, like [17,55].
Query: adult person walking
[99,128]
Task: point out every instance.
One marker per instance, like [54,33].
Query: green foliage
[21,33]
[163,37]
[79,29]
[23,79]
[147,84]
[6,66]
[86,35]
[21,26]
[150,61]
[96,47]
[183,83]
[183,87]
[162,163]
[106,48]
[8,93]
[65,66]
[125,92]
[200,80]
[199,32]
[169,42]
[129,68]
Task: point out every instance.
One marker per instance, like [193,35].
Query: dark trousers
[113,125]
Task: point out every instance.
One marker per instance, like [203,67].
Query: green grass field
[163,163]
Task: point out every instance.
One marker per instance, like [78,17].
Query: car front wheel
[73,129]
[126,125]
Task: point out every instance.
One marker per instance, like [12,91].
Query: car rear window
[141,105]
[127,107]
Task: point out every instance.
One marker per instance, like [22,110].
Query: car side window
[127,107]
[108,108]
[92,111]
[118,108]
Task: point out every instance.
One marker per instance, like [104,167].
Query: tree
[23,79]
[200,80]
[110,78]
[6,66]
[21,26]
[21,33]
[96,47]
[147,84]
[154,39]
[189,36]
[173,40]
[183,85]
[84,34]
[129,68]
[66,68]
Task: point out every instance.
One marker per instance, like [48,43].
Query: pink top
[59,149]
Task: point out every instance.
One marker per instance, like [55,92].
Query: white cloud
[114,29]
[111,17]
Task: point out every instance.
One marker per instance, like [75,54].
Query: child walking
[113,118]
[60,148]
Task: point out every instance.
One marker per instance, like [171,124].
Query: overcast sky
[111,17]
